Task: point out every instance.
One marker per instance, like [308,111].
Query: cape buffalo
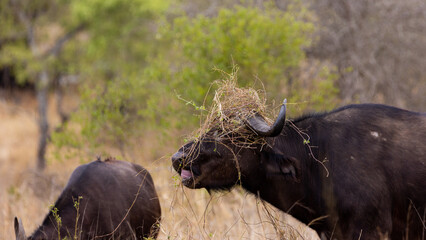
[358,172]
[115,200]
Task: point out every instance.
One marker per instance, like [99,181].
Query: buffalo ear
[19,230]
[277,165]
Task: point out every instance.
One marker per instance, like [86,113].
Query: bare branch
[55,50]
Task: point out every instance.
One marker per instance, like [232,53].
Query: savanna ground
[186,213]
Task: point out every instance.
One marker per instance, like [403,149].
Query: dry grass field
[187,214]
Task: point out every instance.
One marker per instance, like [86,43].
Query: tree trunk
[42,88]
[43,124]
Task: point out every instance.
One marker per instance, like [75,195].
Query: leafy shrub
[121,99]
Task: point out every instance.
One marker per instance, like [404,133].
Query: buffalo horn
[261,128]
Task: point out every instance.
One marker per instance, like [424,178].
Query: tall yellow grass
[187,214]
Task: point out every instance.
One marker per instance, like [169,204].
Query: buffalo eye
[289,172]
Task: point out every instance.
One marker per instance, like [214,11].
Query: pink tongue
[185,174]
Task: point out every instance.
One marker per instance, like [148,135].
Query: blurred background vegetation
[131,78]
[142,68]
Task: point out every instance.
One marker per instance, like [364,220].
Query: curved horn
[261,128]
[19,230]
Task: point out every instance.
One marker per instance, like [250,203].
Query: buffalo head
[219,160]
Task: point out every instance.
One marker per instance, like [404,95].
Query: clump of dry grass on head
[231,107]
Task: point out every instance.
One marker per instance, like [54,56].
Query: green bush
[122,99]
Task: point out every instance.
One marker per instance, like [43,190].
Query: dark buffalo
[356,172]
[118,201]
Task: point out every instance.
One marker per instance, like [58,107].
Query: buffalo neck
[67,217]
[297,141]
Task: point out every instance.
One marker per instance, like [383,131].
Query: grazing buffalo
[115,200]
[358,172]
